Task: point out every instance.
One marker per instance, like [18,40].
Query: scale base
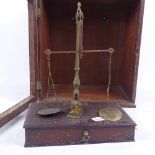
[61,130]
[76,109]
[74,114]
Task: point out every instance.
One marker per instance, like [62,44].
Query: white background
[14,62]
[14,40]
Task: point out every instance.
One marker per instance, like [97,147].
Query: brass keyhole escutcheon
[85,137]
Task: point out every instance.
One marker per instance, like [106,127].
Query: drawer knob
[85,137]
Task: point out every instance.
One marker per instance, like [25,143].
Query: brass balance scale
[76,110]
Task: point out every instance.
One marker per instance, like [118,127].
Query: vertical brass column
[76,108]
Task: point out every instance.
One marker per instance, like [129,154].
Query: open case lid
[107,24]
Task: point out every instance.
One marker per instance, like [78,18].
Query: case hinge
[37,12]
[39,85]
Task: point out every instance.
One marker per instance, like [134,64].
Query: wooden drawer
[44,137]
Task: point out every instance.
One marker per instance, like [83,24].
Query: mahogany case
[107,24]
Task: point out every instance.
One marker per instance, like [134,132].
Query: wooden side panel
[131,53]
[44,44]
[32,48]
[137,48]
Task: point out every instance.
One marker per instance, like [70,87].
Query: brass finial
[79,5]
[79,14]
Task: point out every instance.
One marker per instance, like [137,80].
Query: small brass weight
[76,108]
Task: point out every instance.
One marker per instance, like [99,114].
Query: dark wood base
[61,130]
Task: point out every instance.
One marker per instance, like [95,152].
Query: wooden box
[61,130]
[107,24]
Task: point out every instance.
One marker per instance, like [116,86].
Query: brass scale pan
[110,114]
